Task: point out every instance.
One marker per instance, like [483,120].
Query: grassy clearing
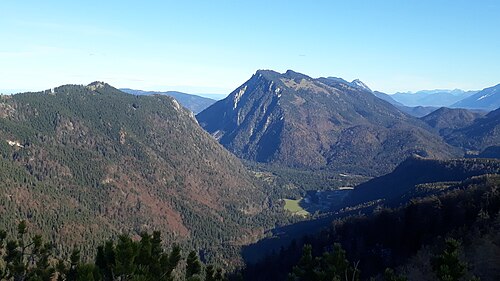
[294,207]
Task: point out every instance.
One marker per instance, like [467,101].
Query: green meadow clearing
[294,207]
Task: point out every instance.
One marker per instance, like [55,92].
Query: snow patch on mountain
[358,83]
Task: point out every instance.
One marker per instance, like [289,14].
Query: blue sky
[214,46]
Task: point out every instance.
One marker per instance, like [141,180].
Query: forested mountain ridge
[446,120]
[84,163]
[297,121]
[482,134]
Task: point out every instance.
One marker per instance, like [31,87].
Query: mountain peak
[97,85]
[295,75]
[289,74]
[358,83]
[298,121]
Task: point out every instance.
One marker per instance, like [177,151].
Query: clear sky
[213,46]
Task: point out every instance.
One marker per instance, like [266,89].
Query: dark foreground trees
[332,265]
[30,259]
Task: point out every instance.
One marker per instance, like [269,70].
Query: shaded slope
[481,134]
[465,210]
[490,152]
[387,98]
[414,171]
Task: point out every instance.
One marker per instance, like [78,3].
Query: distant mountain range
[417,111]
[487,99]
[422,103]
[195,103]
[434,98]
[294,120]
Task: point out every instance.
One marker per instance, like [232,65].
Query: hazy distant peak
[195,103]
[436,98]
[437,91]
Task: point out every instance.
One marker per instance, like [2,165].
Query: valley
[316,202]
[115,161]
[249,141]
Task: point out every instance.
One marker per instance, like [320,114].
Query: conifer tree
[193,266]
[447,266]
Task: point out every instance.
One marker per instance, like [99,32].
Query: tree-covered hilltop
[477,133]
[82,164]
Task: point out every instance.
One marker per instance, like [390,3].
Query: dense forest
[441,237]
[82,164]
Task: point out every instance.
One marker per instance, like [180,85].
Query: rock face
[294,120]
